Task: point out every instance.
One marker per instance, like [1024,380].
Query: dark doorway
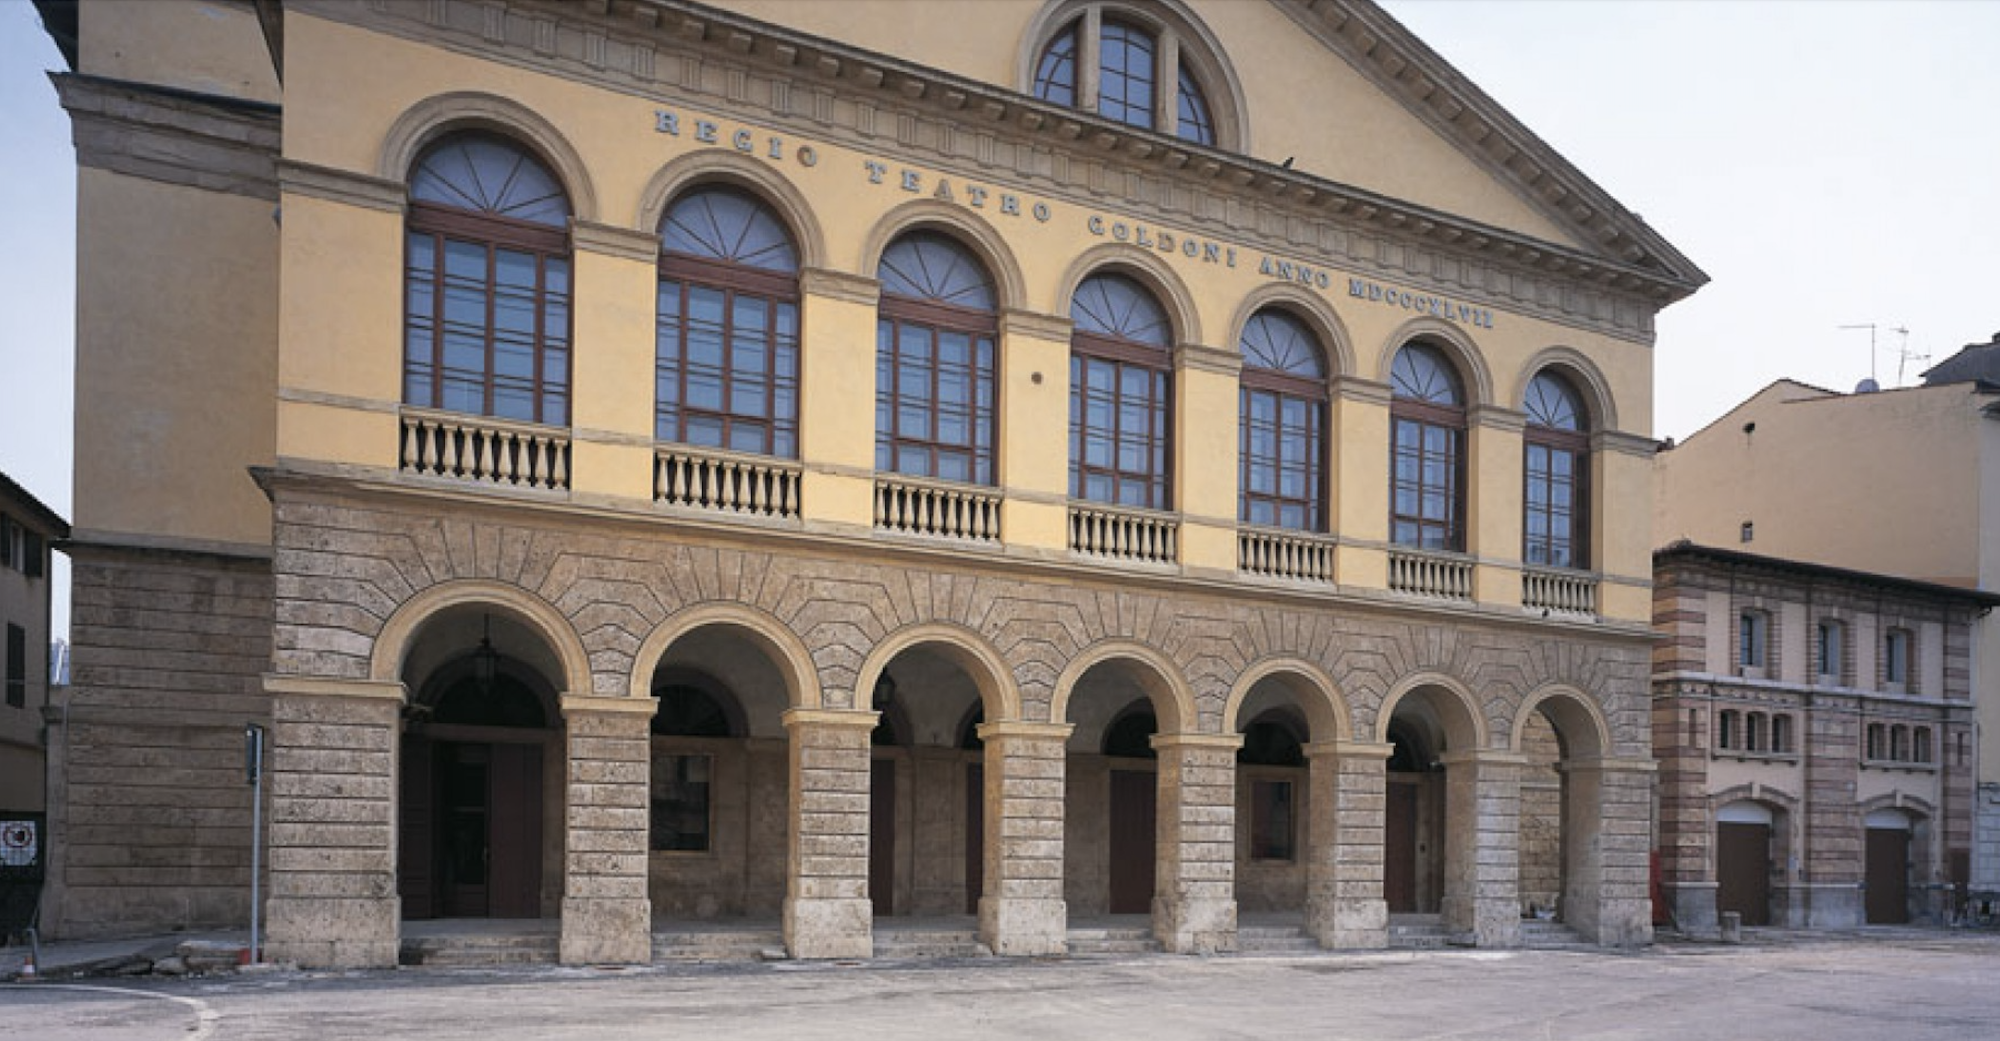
[975,836]
[1134,796]
[1399,848]
[882,835]
[1888,867]
[1743,871]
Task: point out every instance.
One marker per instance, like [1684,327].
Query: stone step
[716,944]
[1274,939]
[1091,940]
[481,949]
[1543,934]
[929,943]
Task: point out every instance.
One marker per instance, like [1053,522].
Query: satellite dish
[1867,386]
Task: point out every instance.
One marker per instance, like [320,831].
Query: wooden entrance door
[1134,809]
[484,843]
[1399,848]
[514,821]
[975,836]
[1743,871]
[882,835]
[1888,867]
[416,831]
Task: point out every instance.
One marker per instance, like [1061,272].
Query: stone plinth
[1344,905]
[1022,911]
[827,910]
[606,916]
[1194,897]
[332,785]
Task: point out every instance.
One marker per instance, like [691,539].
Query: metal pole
[253,738]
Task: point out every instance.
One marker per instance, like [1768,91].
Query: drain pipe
[253,756]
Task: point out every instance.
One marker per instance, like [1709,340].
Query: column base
[600,931]
[1693,907]
[1195,926]
[1496,923]
[1024,927]
[1836,906]
[333,933]
[1624,923]
[1349,925]
[830,927]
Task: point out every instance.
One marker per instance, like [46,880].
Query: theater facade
[1027,462]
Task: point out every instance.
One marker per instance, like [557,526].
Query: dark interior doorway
[1888,867]
[1743,871]
[1134,812]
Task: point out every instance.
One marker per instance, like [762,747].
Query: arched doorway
[1886,863]
[1544,813]
[1413,817]
[719,792]
[1436,858]
[480,783]
[1743,860]
[1273,799]
[1110,842]
[926,786]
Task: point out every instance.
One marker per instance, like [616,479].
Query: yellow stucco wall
[209,46]
[164,435]
[341,369]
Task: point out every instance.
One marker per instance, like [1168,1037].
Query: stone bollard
[1732,927]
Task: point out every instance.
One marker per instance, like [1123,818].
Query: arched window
[1120,378]
[934,361]
[1427,412]
[727,335]
[486,325]
[1556,473]
[1135,61]
[1282,423]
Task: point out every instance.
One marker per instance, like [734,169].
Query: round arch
[433,117]
[969,229]
[1326,711]
[776,639]
[962,647]
[719,166]
[1173,702]
[1578,720]
[1764,795]
[1225,92]
[1914,807]
[1304,306]
[1462,351]
[1582,374]
[1465,728]
[392,644]
[1149,270]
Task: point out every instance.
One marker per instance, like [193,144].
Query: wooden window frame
[733,281]
[934,317]
[1577,445]
[1171,74]
[1313,394]
[1158,363]
[1427,416]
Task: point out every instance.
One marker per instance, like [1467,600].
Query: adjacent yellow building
[822,465]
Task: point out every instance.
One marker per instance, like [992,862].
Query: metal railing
[724,482]
[1118,534]
[1284,554]
[1566,592]
[1422,573]
[483,449]
[919,507]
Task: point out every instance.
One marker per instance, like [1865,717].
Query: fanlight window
[1133,64]
[1120,384]
[934,362]
[1556,473]
[1282,423]
[727,331]
[1427,413]
[486,325]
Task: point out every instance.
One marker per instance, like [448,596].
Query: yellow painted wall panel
[210,48]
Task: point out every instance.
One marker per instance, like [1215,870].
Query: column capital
[1217,742]
[1006,728]
[1484,757]
[593,704]
[851,719]
[321,687]
[1609,764]
[1348,750]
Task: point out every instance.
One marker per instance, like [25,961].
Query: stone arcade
[523,476]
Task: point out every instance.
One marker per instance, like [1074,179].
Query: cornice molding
[840,285]
[1362,390]
[614,241]
[177,137]
[736,67]
[1036,326]
[1200,358]
[342,186]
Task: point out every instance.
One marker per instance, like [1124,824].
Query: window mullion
[492,287]
[1167,83]
[1089,59]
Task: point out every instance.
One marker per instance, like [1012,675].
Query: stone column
[1194,897]
[1607,832]
[1021,911]
[334,762]
[606,914]
[827,910]
[1344,905]
[1482,844]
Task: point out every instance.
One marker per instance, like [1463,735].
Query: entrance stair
[1261,936]
[1131,934]
[465,943]
[716,941]
[914,938]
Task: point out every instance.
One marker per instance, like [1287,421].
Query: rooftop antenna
[1904,355]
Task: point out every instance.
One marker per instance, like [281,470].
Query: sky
[1828,164]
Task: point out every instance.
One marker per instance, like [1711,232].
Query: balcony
[725,482]
[1438,576]
[1559,592]
[484,450]
[937,508]
[1110,533]
[1274,553]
